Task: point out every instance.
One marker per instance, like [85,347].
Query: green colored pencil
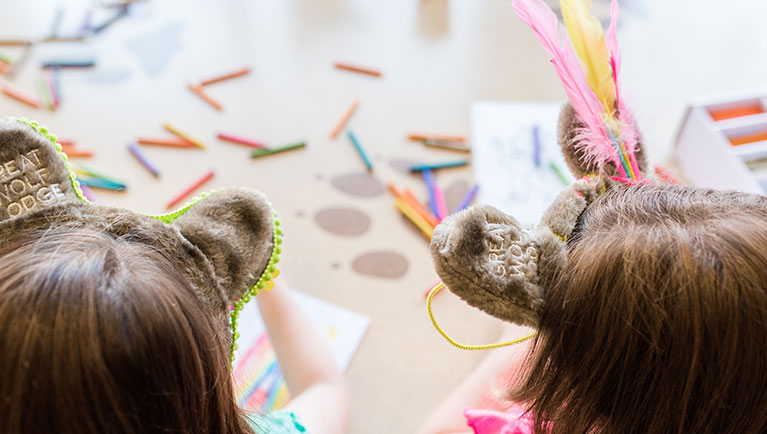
[559,173]
[263,152]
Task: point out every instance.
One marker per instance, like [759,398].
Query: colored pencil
[171,129]
[77,152]
[65,63]
[408,197]
[228,76]
[15,42]
[360,69]
[349,112]
[49,76]
[436,137]
[88,193]
[439,196]
[559,173]
[360,151]
[394,190]
[428,178]
[197,184]
[101,183]
[536,131]
[426,294]
[198,90]
[109,21]
[241,140]
[452,146]
[80,170]
[466,201]
[134,149]
[665,176]
[445,165]
[174,143]
[414,217]
[277,149]
[65,143]
[20,96]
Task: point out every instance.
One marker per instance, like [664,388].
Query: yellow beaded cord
[437,289]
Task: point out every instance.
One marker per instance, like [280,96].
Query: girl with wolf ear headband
[649,301]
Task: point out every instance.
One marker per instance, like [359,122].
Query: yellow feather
[588,40]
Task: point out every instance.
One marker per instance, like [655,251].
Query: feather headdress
[588,63]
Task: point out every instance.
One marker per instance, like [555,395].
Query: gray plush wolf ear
[226,243]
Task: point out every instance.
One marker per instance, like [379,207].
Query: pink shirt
[511,421]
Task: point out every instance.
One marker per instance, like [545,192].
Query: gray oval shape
[383,264]
[359,184]
[347,222]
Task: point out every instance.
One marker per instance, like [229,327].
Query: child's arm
[482,389]
[315,381]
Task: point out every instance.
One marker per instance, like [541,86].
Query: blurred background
[124,70]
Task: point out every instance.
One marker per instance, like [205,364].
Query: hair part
[657,321]
[103,334]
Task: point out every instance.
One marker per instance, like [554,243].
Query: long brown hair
[104,335]
[657,323]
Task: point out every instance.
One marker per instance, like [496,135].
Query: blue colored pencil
[537,145]
[422,167]
[101,183]
[466,201]
[134,149]
[428,178]
[360,151]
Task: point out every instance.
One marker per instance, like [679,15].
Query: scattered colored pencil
[349,112]
[360,69]
[414,217]
[441,204]
[565,180]
[101,183]
[241,140]
[189,190]
[65,143]
[277,149]
[408,197]
[171,129]
[77,152]
[20,96]
[536,131]
[174,143]
[69,63]
[445,165]
[466,201]
[88,193]
[452,146]
[360,151]
[80,170]
[665,176]
[428,178]
[134,149]
[227,76]
[199,91]
[436,137]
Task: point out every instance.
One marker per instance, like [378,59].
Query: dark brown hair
[104,335]
[657,323]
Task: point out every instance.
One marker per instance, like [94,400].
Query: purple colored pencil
[88,193]
[536,145]
[428,178]
[466,201]
[134,149]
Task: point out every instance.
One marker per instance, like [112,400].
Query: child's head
[104,334]
[657,321]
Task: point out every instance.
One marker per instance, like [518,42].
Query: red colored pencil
[190,189]
[198,90]
[361,70]
[242,141]
[20,96]
[238,73]
[344,119]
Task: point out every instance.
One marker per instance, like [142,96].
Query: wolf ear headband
[227,242]
[485,256]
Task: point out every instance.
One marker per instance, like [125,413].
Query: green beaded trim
[254,290]
[43,131]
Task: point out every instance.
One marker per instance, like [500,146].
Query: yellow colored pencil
[171,129]
[414,217]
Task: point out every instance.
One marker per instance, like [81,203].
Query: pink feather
[593,142]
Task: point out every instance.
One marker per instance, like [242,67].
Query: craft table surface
[437,57]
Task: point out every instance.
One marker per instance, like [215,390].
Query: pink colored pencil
[344,119]
[197,184]
[238,73]
[20,96]
[241,140]
[439,197]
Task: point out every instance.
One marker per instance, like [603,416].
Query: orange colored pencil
[71,152]
[344,119]
[238,73]
[368,71]
[20,96]
[65,143]
[437,137]
[198,90]
[394,190]
[175,143]
[419,208]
